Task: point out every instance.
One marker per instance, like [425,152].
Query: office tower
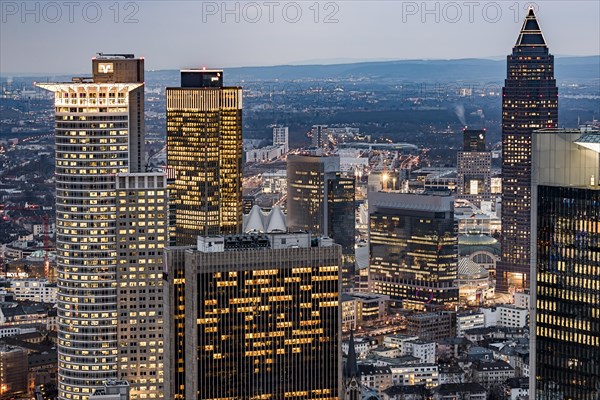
[281,136]
[111,231]
[529,102]
[125,68]
[474,168]
[307,175]
[321,202]
[262,316]
[413,247]
[342,224]
[142,208]
[565,265]
[204,148]
[320,135]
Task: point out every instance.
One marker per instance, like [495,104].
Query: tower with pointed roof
[351,389]
[529,102]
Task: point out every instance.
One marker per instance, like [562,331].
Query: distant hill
[470,70]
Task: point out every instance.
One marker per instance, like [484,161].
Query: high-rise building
[262,316]
[320,135]
[204,148]
[307,191]
[413,247]
[565,265]
[529,102]
[111,230]
[321,201]
[281,137]
[474,169]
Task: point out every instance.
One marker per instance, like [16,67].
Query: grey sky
[61,36]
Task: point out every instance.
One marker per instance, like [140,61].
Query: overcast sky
[62,36]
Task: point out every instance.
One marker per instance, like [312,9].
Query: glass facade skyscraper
[414,248]
[566,265]
[529,102]
[262,317]
[204,150]
[321,201]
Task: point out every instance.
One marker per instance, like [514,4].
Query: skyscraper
[566,265]
[262,316]
[474,169]
[111,230]
[529,102]
[414,252]
[321,201]
[204,148]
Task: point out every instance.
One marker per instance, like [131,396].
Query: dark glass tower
[566,265]
[413,248]
[321,202]
[529,102]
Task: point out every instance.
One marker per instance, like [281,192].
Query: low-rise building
[516,389]
[415,374]
[399,340]
[359,307]
[424,350]
[374,377]
[454,391]
[32,289]
[492,373]
[432,326]
[469,320]
[13,371]
[513,316]
[362,346]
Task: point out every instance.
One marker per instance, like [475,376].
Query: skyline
[360,33]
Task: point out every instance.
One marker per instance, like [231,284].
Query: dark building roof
[517,383]
[406,390]
[370,369]
[452,388]
[531,34]
[492,365]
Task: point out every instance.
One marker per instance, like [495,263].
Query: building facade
[321,201]
[529,102]
[414,251]
[101,229]
[474,169]
[264,317]
[281,137]
[204,149]
[566,264]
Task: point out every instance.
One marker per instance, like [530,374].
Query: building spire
[531,34]
[351,363]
